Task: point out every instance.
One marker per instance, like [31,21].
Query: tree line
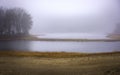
[14,21]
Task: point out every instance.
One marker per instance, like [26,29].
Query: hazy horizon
[70,16]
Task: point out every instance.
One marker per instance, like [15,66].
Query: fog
[70,16]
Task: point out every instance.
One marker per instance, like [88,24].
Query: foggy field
[33,63]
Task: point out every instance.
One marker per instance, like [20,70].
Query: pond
[61,46]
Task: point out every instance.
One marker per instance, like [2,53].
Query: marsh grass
[59,63]
[53,54]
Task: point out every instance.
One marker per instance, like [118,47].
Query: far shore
[34,38]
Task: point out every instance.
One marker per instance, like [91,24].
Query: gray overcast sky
[73,16]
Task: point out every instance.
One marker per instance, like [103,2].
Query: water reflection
[57,46]
[15,45]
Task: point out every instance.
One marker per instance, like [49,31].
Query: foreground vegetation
[55,63]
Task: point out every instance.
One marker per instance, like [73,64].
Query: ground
[28,63]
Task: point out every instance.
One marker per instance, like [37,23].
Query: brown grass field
[59,63]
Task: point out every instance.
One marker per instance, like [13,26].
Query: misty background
[70,16]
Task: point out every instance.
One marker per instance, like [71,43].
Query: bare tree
[14,21]
[117,29]
[116,33]
[2,20]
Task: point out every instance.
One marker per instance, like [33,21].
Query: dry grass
[33,63]
[41,54]
[53,54]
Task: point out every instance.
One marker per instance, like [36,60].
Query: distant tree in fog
[14,21]
[117,29]
[116,33]
[2,20]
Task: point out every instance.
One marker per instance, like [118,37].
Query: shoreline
[34,38]
[53,54]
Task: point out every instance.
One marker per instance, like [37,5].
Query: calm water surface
[58,46]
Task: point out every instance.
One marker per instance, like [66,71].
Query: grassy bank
[55,63]
[34,38]
[54,54]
